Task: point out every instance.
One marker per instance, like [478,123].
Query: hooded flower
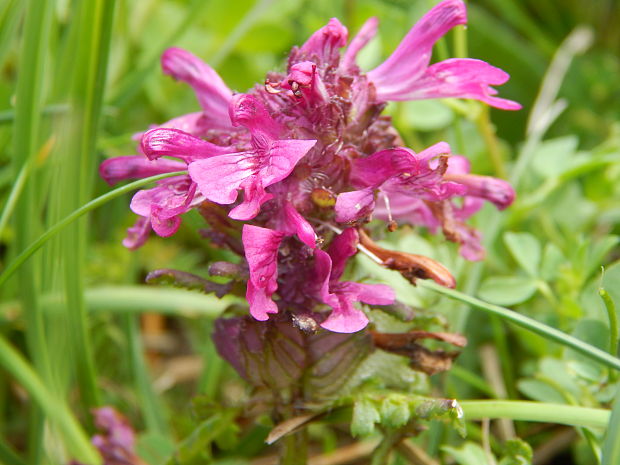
[311,153]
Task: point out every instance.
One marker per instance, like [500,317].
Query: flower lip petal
[117,169]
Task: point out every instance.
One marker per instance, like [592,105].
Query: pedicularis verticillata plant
[315,161]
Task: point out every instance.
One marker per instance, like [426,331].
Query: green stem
[613,320]
[93,204]
[487,130]
[381,454]
[56,410]
[528,323]
[151,408]
[535,411]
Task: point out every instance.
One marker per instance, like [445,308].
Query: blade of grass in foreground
[56,228]
[57,411]
[26,137]
[89,51]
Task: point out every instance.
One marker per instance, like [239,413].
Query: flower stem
[535,411]
[487,130]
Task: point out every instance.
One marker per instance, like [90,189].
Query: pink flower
[406,74]
[310,151]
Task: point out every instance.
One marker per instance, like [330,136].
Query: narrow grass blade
[89,51]
[152,409]
[611,446]
[56,410]
[530,324]
[93,204]
[26,138]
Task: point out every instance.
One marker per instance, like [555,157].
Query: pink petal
[138,233]
[281,157]
[261,252]
[254,196]
[260,302]
[118,169]
[294,223]
[325,43]
[218,178]
[246,110]
[351,206]
[457,77]
[373,294]
[343,247]
[413,54]
[365,35]
[162,142]
[374,170]
[196,124]
[211,91]
[496,191]
[345,318]
[171,194]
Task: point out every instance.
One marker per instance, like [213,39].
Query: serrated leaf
[395,411]
[507,290]
[365,415]
[526,250]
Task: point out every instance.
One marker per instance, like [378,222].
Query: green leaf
[395,411]
[539,390]
[468,454]
[552,157]
[507,290]
[154,448]
[427,115]
[551,260]
[365,415]
[525,249]
[516,452]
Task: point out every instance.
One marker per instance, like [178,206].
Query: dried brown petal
[411,266]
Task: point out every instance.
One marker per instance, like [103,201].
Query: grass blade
[76,440]
[56,228]
[530,324]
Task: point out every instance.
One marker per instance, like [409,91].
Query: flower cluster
[302,162]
